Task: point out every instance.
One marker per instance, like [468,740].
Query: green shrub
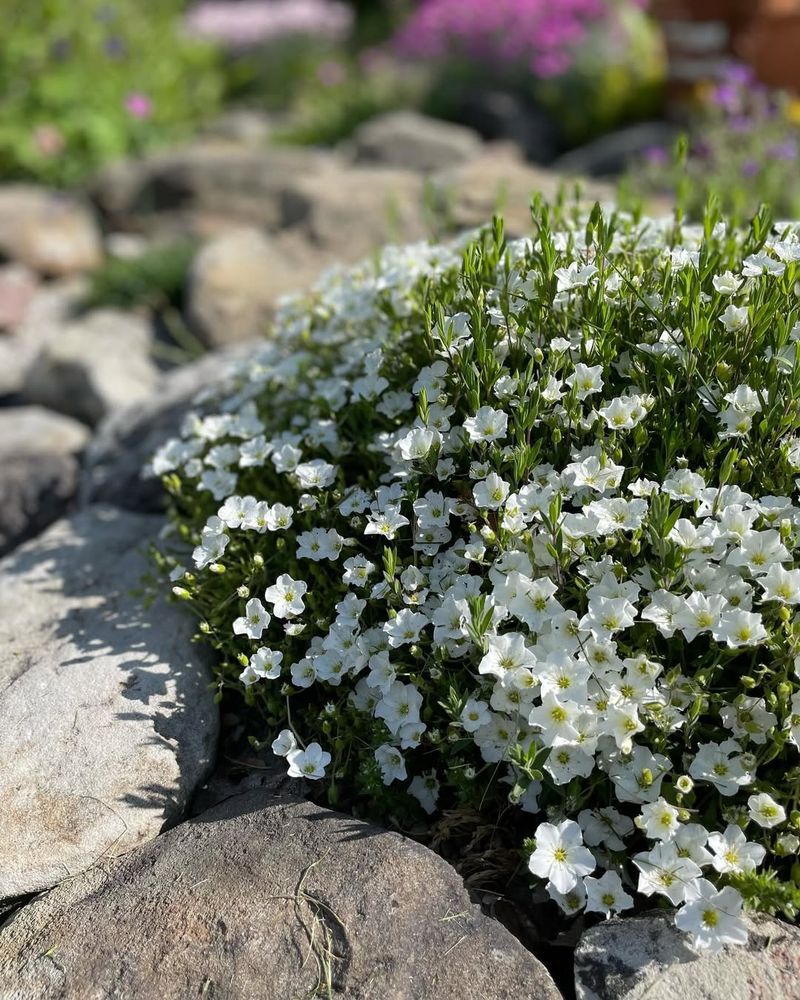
[82,82]
[506,536]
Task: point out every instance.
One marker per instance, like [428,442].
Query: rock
[353,211]
[235,284]
[114,464]
[242,125]
[412,141]
[18,286]
[648,958]
[500,181]
[51,307]
[35,490]
[267,898]
[39,470]
[34,430]
[98,362]
[202,188]
[503,116]
[53,234]
[614,152]
[107,722]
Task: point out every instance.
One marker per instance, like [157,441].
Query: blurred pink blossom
[250,23]
[138,105]
[48,139]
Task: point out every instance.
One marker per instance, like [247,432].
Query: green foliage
[154,279]
[86,81]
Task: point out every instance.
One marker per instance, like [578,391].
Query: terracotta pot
[771,45]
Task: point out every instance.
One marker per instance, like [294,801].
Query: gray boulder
[53,234]
[352,211]
[235,284]
[272,899]
[39,470]
[648,958]
[51,307]
[202,188]
[98,362]
[107,723]
[412,141]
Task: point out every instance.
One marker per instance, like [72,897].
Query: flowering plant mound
[511,529]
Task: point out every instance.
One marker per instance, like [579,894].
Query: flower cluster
[513,527]
[536,33]
[250,23]
[744,146]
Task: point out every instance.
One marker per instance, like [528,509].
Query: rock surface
[96,363]
[499,180]
[648,958]
[51,233]
[413,141]
[267,898]
[355,210]
[201,188]
[18,286]
[39,470]
[107,724]
[127,439]
[235,284]
[50,308]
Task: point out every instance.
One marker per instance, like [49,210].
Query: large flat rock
[263,898]
[107,723]
[648,958]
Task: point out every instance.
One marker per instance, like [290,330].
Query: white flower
[406,627]
[284,743]
[659,820]
[474,715]
[712,917]
[486,425]
[391,763]
[255,619]
[286,596]
[664,871]
[490,494]
[319,544]
[605,894]
[765,811]
[560,856]
[733,852]
[309,763]
[586,380]
[264,664]
[425,789]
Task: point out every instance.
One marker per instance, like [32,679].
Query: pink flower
[48,139]
[138,105]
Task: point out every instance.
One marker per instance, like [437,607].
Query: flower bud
[182,593]
[242,658]
[243,591]
[258,560]
[217,568]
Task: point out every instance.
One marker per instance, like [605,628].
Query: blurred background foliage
[84,82]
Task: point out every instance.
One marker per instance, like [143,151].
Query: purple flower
[785,150]
[138,105]
[538,35]
[751,168]
[656,156]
